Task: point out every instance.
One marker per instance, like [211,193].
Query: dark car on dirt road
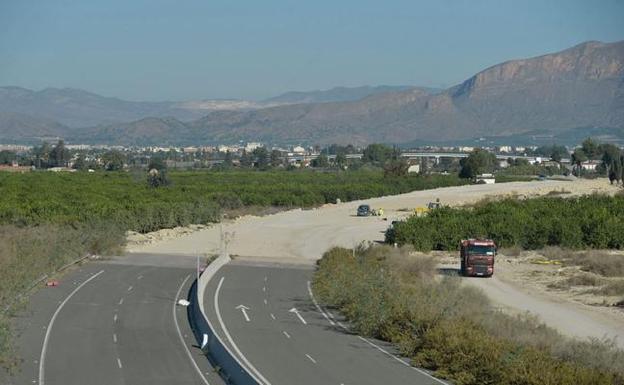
[364,211]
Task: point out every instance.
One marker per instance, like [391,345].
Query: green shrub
[591,221]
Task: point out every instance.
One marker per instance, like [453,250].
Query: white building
[298,150]
[252,146]
[590,165]
[415,168]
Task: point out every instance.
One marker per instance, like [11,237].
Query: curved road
[266,313]
[111,323]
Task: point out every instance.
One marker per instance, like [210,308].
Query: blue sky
[188,49]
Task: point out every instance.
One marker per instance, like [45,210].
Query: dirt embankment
[303,235]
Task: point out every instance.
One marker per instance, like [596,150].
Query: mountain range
[580,88]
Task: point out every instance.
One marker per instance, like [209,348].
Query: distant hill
[580,89]
[28,129]
[78,108]
[582,86]
[339,94]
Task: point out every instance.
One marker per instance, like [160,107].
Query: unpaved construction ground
[303,235]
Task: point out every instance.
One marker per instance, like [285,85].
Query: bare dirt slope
[303,235]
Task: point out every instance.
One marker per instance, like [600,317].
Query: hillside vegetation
[452,329]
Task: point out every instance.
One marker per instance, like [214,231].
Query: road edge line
[320,309]
[51,324]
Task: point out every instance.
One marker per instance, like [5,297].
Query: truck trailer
[477,257]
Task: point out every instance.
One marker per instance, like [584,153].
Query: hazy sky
[185,49]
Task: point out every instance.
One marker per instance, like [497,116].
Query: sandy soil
[303,235]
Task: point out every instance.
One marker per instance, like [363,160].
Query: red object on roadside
[52,282]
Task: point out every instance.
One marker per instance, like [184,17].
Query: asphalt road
[111,323]
[286,347]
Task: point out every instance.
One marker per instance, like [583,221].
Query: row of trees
[611,157]
[576,223]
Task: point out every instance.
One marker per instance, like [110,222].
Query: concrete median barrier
[221,357]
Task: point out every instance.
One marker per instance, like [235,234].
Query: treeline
[592,221]
[609,156]
[451,329]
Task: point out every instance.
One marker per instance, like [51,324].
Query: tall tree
[377,153]
[578,157]
[7,157]
[42,155]
[59,155]
[245,159]
[113,160]
[478,162]
[276,158]
[590,148]
[322,161]
[261,157]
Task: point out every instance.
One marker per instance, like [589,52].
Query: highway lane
[285,346]
[113,323]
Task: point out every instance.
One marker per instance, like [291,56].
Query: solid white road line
[49,329]
[401,361]
[311,359]
[175,321]
[367,341]
[318,307]
[286,334]
[229,337]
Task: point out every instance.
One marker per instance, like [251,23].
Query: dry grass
[555,253]
[600,262]
[513,251]
[613,288]
[579,279]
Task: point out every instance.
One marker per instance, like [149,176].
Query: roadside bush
[450,329]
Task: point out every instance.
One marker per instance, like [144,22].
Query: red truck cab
[477,257]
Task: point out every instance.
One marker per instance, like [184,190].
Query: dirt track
[303,235]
